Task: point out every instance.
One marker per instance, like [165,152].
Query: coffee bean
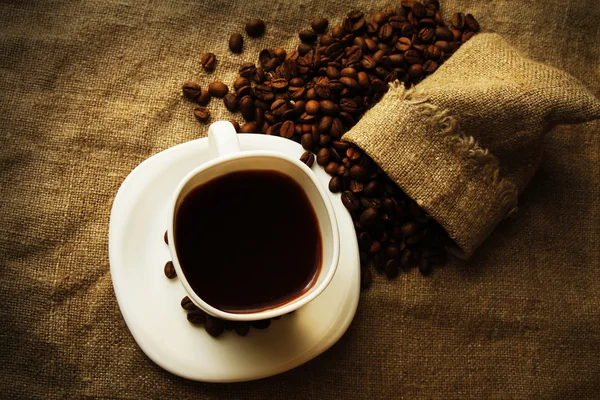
[208,61]
[369,217]
[191,90]
[242,328]
[391,269]
[359,173]
[262,324]
[214,326]
[415,71]
[335,184]
[350,201]
[472,23]
[458,20]
[312,107]
[287,130]
[307,141]
[323,156]
[202,114]
[236,43]
[255,27]
[280,53]
[204,98]
[218,89]
[247,108]
[430,66]
[170,270]
[319,25]
[187,304]
[425,267]
[328,107]
[249,127]
[308,36]
[166,237]
[231,102]
[196,317]
[308,158]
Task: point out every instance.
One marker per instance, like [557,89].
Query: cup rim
[288,307]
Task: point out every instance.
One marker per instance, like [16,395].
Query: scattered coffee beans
[236,43]
[208,61]
[215,326]
[170,270]
[317,92]
[202,114]
[218,89]
[191,90]
[255,27]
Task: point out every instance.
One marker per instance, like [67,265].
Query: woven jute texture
[466,141]
[88,90]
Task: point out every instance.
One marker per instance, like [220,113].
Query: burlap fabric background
[89,90]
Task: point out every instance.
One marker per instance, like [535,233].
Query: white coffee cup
[226,157]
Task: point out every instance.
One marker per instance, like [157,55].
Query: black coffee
[248,241]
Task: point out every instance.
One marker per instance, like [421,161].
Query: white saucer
[150,302]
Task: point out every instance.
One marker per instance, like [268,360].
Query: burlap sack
[465,142]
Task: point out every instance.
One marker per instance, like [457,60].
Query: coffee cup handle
[222,139]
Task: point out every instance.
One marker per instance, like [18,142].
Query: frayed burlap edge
[466,147]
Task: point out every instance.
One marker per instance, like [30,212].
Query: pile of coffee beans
[321,89]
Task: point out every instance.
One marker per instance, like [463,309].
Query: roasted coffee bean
[170,270]
[350,201]
[328,107]
[248,108]
[231,102]
[308,36]
[430,66]
[458,20]
[369,217]
[261,324]
[242,328]
[202,114]
[307,141]
[287,130]
[335,184]
[218,89]
[208,61]
[308,158]
[187,304]
[391,268]
[319,25]
[356,187]
[204,98]
[255,27]
[235,124]
[214,326]
[236,43]
[191,90]
[196,317]
[472,23]
[359,173]
[323,156]
[415,71]
[166,237]
[249,127]
[425,267]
